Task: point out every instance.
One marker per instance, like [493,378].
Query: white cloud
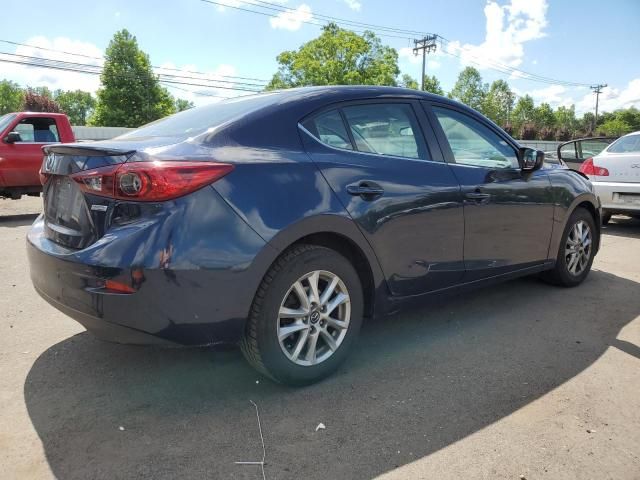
[292,19]
[65,80]
[508,28]
[197,94]
[554,95]
[612,98]
[354,4]
[54,79]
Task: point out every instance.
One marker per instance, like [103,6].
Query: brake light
[150,181]
[589,168]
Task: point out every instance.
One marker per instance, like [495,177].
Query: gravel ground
[519,379]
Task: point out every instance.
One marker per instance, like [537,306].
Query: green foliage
[566,118]
[11,96]
[498,102]
[182,104]
[407,81]
[523,112]
[78,105]
[432,85]
[131,94]
[616,127]
[469,88]
[337,57]
[543,116]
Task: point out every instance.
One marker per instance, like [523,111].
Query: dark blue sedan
[283,219]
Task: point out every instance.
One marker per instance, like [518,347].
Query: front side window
[386,129]
[37,130]
[472,143]
[5,120]
[329,128]
[627,144]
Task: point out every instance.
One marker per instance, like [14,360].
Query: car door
[574,153]
[508,213]
[402,195]
[24,157]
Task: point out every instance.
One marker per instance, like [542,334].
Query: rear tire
[290,336]
[576,251]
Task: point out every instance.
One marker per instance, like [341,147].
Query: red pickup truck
[22,136]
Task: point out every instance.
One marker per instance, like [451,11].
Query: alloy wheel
[578,248]
[314,318]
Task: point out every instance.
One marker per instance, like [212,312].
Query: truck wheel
[305,316]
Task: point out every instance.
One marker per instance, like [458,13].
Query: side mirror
[531,159]
[12,137]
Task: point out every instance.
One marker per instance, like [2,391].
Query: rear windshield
[5,120]
[626,144]
[195,121]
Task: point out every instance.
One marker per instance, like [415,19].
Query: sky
[572,44]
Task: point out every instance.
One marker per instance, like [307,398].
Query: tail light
[150,181]
[589,168]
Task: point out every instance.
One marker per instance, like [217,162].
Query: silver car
[615,174]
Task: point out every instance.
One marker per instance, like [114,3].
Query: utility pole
[426,44]
[597,89]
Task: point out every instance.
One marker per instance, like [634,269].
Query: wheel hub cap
[314,318]
[578,248]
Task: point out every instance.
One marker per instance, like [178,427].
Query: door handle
[478,196]
[366,190]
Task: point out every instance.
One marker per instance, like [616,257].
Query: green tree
[11,96]
[407,81]
[432,85]
[523,112]
[566,119]
[78,105]
[337,57]
[498,102]
[469,88]
[631,116]
[543,116]
[615,127]
[130,95]
[182,104]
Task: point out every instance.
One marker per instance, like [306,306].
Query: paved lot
[518,379]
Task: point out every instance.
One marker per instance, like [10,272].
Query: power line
[10,42]
[76,69]
[97,70]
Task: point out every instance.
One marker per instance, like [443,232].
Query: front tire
[576,252]
[305,316]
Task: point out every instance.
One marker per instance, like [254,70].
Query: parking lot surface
[516,380]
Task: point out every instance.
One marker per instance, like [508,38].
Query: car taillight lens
[150,181]
[588,168]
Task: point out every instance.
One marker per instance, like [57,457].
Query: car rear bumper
[614,196]
[192,275]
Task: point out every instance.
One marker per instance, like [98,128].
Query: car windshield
[626,144]
[195,121]
[5,120]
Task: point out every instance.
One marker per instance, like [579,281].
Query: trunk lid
[71,217]
[622,167]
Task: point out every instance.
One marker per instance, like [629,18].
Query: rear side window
[386,129]
[568,151]
[329,128]
[628,144]
[38,130]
